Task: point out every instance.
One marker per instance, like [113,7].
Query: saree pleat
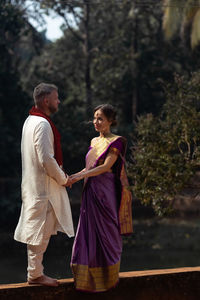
[98,243]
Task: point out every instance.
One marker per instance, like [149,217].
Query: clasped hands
[72,179]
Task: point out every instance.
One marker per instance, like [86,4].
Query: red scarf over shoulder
[57,144]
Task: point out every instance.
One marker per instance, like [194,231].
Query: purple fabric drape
[98,243]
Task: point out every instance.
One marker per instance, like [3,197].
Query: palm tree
[182,14]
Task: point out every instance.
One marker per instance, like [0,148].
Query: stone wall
[167,284]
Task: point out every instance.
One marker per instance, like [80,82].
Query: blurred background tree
[182,16]
[167,149]
[19,42]
[111,51]
[142,57]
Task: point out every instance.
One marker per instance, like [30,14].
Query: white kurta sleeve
[44,145]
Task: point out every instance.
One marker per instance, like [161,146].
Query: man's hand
[69,182]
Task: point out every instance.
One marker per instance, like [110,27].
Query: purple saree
[98,244]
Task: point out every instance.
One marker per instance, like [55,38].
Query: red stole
[57,144]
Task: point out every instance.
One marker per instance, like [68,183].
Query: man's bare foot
[44,280]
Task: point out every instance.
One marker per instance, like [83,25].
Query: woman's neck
[105,133]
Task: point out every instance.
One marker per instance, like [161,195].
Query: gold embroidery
[99,145]
[100,161]
[125,210]
[111,150]
[96,279]
[114,150]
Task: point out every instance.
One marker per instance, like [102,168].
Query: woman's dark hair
[109,111]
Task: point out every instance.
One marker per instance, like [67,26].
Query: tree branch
[71,29]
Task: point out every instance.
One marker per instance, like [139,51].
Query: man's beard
[52,109]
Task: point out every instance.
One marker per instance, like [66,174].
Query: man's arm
[44,144]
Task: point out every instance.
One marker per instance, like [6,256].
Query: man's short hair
[42,90]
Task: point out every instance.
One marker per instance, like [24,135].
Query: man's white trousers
[35,253]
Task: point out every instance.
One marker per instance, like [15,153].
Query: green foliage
[124,50]
[167,148]
[16,50]
[128,56]
[12,99]
[76,134]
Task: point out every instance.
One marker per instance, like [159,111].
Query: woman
[105,210]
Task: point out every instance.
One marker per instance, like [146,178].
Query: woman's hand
[75,177]
[106,167]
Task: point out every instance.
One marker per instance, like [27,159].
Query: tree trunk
[87,50]
[135,92]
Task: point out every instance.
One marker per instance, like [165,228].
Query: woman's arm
[105,167]
[70,181]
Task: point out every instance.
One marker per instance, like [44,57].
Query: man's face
[52,102]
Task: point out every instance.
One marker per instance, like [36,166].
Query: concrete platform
[164,284]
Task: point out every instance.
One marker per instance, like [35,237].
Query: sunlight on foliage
[172,17]
[179,15]
[166,152]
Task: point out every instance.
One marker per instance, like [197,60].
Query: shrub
[166,151]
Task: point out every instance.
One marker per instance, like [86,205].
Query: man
[45,203]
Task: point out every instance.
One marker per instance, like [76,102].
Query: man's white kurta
[42,181]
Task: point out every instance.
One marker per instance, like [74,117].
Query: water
[156,243]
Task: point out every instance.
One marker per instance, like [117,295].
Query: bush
[166,150]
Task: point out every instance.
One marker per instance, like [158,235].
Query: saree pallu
[97,247]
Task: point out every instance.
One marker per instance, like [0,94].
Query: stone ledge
[163,284]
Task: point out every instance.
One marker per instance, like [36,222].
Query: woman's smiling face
[101,123]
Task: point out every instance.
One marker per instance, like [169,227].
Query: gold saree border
[98,279]
[98,148]
[125,210]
